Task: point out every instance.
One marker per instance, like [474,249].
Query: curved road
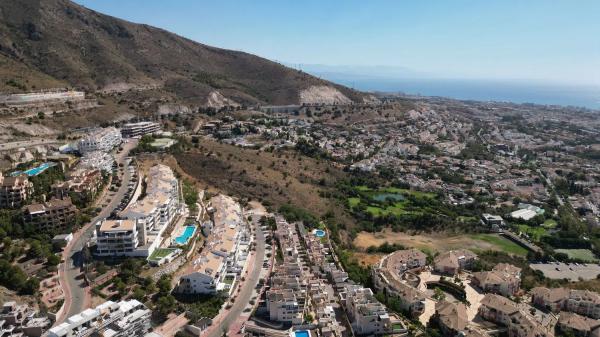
[77,294]
[248,286]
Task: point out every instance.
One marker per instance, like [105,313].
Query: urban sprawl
[471,219]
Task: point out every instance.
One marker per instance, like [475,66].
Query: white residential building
[283,306]
[117,237]
[367,315]
[139,129]
[97,160]
[146,219]
[225,254]
[100,140]
[123,319]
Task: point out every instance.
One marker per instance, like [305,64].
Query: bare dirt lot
[367,259]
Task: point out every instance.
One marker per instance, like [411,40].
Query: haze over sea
[479,90]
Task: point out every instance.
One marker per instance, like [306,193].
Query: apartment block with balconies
[56,214]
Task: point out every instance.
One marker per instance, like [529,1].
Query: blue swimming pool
[185,237]
[302,333]
[34,171]
[319,233]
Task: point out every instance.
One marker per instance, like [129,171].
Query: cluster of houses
[306,285]
[224,256]
[551,312]
[116,319]
[22,320]
[57,212]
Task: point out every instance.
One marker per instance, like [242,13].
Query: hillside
[49,43]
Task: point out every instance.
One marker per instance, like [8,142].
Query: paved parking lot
[570,271]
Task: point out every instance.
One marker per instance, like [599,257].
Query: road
[551,184]
[77,295]
[245,294]
[29,143]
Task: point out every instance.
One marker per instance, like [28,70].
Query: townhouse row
[225,253]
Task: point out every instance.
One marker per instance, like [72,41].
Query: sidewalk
[225,312]
[172,325]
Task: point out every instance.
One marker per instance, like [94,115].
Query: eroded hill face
[46,43]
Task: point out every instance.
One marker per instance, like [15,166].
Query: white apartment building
[123,319]
[284,307]
[146,219]
[130,130]
[368,316]
[225,253]
[117,237]
[100,140]
[97,160]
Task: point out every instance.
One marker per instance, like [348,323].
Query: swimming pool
[302,333]
[319,233]
[185,237]
[34,171]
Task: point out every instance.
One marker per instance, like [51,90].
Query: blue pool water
[302,333]
[319,233]
[187,234]
[36,170]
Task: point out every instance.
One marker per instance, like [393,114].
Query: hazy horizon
[495,40]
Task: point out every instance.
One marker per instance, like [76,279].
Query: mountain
[50,43]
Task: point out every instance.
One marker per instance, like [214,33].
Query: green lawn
[550,223]
[160,253]
[501,243]
[397,208]
[579,254]
[352,202]
[375,211]
[535,233]
[417,194]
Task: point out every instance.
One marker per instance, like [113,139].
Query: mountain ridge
[69,45]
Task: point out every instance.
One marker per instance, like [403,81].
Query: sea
[481,90]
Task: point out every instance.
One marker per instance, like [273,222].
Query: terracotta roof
[577,322]
[451,258]
[453,316]
[551,295]
[499,303]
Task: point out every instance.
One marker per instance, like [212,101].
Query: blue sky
[544,40]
